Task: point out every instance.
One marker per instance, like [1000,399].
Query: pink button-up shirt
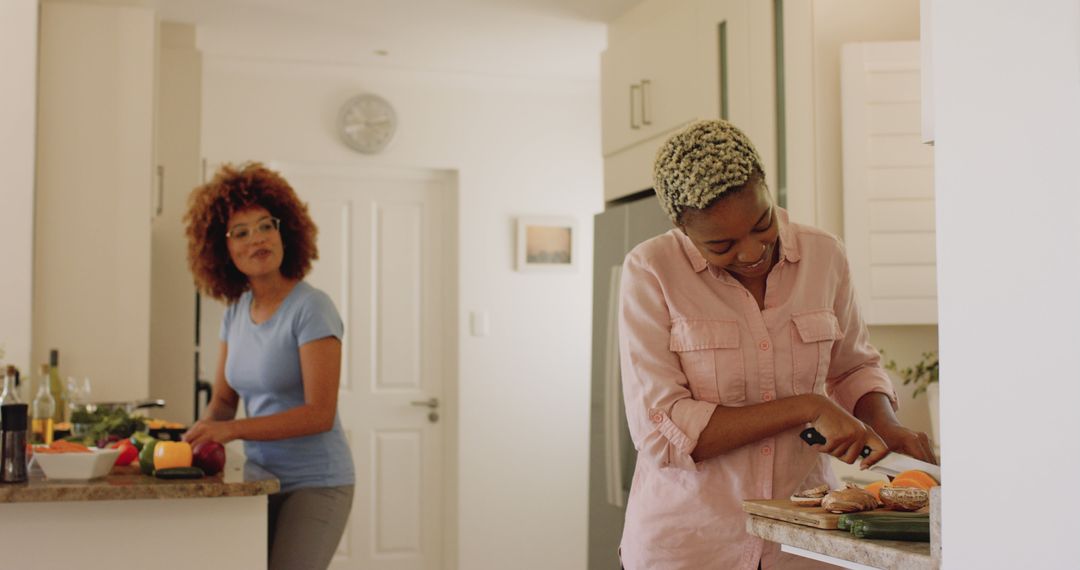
[691,338]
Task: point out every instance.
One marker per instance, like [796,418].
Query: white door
[382,249]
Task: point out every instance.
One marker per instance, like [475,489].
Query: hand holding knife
[892,464]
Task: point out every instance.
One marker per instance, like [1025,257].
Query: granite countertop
[885,554]
[244,479]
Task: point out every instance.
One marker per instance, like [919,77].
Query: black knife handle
[813,437]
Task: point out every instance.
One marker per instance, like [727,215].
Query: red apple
[209,456]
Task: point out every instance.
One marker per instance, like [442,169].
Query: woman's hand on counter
[210,430]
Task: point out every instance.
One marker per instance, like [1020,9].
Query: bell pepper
[146,457]
[140,438]
[168,454]
[128,452]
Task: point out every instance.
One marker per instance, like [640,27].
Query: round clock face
[367,123]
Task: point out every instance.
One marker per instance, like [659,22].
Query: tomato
[128,452]
[169,454]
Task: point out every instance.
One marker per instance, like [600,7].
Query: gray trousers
[306,526]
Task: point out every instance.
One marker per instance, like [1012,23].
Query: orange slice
[915,478]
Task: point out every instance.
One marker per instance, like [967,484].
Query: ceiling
[555,38]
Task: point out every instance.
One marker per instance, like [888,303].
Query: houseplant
[922,375]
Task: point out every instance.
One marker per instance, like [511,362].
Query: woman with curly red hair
[250,244]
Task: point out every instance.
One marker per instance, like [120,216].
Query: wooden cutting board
[817,517]
[784,510]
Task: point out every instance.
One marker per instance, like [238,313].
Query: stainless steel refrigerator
[611,452]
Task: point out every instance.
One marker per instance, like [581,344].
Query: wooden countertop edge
[790,534]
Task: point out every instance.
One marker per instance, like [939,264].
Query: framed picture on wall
[546,244]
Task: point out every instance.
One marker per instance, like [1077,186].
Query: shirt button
[766,451]
[767,396]
[764,345]
[657,418]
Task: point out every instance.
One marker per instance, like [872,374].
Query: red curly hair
[235,189]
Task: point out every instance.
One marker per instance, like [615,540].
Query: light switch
[478,323]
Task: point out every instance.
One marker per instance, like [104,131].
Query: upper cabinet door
[93,194]
[671,62]
[649,73]
[620,118]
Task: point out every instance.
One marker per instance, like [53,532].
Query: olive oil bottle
[43,410]
[58,389]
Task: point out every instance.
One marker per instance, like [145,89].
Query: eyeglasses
[243,233]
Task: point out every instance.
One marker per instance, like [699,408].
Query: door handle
[433,403]
[160,190]
[635,94]
[645,119]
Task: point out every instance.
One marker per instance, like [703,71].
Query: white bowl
[77,466]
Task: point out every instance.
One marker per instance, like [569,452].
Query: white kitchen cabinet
[664,69]
[889,225]
[648,74]
[172,291]
[98,193]
[94,193]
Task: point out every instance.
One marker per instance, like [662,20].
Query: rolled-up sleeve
[665,421]
[855,366]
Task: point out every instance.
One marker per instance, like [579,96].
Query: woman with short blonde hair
[738,329]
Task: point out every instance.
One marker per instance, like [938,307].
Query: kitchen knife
[892,464]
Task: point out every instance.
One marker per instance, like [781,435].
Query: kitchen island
[840,548]
[213,522]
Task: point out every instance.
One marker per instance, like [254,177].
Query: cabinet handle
[160,189]
[635,88]
[645,84]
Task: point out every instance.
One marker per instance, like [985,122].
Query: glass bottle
[19,391]
[43,410]
[59,391]
[10,394]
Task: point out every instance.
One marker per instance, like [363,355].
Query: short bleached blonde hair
[698,164]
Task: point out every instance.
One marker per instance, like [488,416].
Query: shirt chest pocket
[813,334]
[711,360]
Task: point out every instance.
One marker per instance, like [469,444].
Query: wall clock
[366,123]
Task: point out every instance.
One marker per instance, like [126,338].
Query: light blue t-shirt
[263,366]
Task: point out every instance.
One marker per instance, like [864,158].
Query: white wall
[1006,93]
[18,93]
[520,146]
